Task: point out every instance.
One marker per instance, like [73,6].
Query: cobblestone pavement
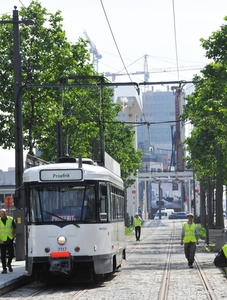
[141,275]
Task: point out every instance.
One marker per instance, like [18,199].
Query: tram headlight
[61,240]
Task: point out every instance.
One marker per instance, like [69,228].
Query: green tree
[206,108]
[46,56]
[54,75]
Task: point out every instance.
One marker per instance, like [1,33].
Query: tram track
[35,291]
[166,275]
[168,272]
[156,269]
[145,238]
[207,287]
[208,291]
[75,295]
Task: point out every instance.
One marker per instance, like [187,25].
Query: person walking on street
[189,238]
[7,232]
[137,224]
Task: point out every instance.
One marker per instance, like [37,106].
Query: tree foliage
[60,86]
[206,109]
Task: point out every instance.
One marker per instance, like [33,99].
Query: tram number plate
[62,249]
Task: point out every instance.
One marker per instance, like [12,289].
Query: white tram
[75,227]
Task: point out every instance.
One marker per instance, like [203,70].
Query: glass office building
[158,139]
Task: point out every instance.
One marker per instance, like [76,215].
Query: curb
[16,283]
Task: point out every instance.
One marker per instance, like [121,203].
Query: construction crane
[146,72]
[94,51]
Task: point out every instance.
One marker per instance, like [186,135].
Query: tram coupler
[60,262]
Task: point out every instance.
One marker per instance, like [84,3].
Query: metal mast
[146,72]
[178,133]
[94,51]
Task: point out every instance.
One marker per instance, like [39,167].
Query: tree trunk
[219,192]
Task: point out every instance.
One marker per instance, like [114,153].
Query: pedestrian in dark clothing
[137,224]
[189,238]
[7,233]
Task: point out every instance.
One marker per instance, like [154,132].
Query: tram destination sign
[61,175]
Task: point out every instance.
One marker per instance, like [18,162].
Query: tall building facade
[159,115]
[160,138]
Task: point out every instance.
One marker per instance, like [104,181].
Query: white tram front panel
[89,240]
[60,234]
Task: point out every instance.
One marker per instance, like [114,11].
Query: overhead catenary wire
[119,50]
[126,67]
[182,67]
[22,3]
[115,42]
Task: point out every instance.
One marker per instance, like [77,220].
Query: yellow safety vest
[137,222]
[224,248]
[189,233]
[6,230]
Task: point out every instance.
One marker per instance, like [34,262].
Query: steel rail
[163,293]
[208,289]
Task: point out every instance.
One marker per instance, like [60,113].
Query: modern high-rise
[158,112]
[160,136]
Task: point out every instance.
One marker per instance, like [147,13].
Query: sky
[124,31]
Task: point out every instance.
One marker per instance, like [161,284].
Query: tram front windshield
[64,203]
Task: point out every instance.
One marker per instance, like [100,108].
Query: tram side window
[121,206]
[113,201]
[117,203]
[89,204]
[103,203]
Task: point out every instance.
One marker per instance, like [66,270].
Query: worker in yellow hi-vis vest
[224,249]
[189,238]
[137,224]
[7,233]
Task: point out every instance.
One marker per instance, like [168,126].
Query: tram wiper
[51,214]
[76,225]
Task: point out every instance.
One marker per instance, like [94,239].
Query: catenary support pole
[18,198]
